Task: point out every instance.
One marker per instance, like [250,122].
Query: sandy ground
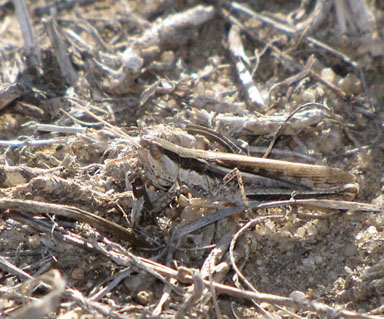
[176,74]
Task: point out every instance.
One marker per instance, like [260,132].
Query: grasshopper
[264,179]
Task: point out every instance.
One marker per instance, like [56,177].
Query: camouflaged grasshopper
[205,173]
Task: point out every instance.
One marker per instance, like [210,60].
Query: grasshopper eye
[155,151]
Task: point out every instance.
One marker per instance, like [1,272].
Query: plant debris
[191,160]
